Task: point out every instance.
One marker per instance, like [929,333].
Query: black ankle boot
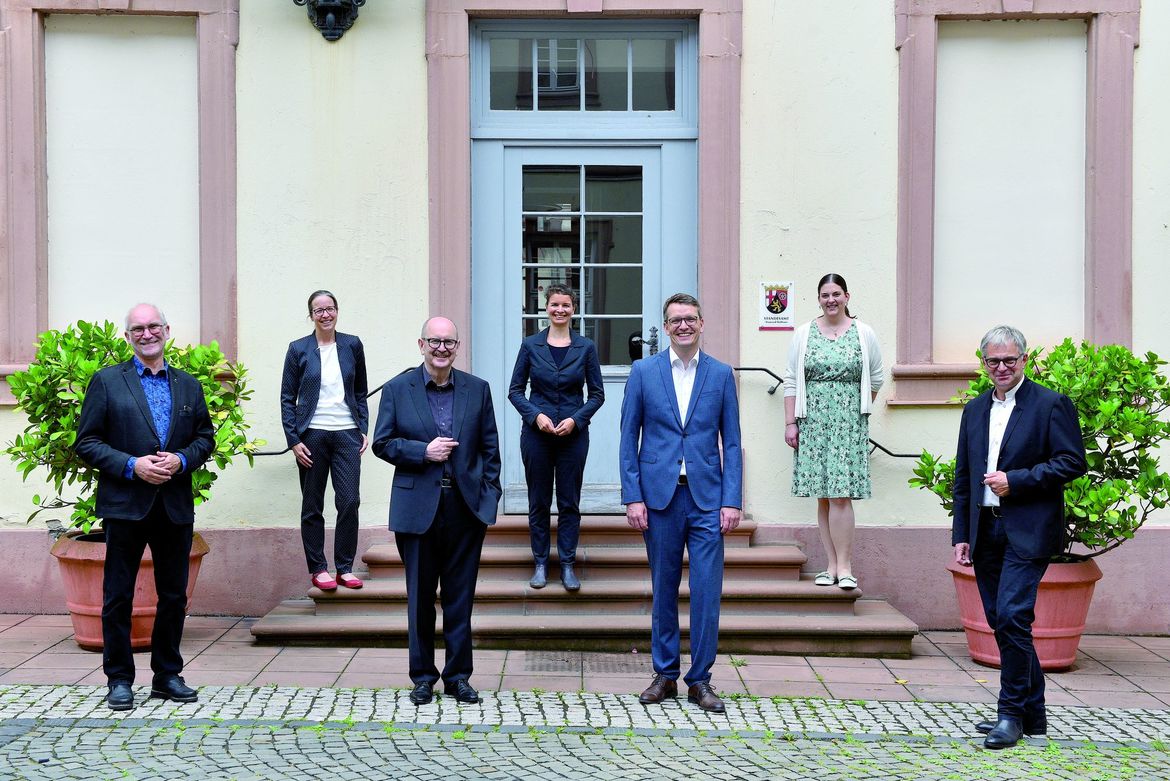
[569,579]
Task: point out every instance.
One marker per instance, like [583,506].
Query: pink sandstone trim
[23,239]
[449,152]
[1113,35]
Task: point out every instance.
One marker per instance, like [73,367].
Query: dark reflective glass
[613,239]
[551,240]
[613,188]
[612,291]
[558,85]
[511,74]
[606,69]
[653,76]
[551,188]
[537,279]
[612,338]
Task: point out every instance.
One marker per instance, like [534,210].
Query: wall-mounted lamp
[332,17]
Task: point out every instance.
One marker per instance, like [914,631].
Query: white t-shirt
[332,413]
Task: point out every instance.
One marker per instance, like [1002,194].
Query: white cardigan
[871,367]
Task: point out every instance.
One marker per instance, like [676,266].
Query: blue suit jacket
[405,428]
[116,424]
[1041,450]
[654,441]
[300,385]
[557,390]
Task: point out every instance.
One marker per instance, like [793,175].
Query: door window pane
[612,337]
[612,291]
[538,278]
[552,188]
[613,188]
[606,71]
[556,63]
[511,74]
[653,75]
[613,239]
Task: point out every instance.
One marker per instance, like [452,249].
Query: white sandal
[824,579]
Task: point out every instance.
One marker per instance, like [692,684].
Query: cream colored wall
[332,161]
[819,167]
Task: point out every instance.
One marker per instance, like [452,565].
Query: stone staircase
[768,606]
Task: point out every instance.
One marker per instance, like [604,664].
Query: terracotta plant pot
[82,560]
[1062,605]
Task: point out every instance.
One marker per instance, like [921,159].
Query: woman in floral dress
[834,373]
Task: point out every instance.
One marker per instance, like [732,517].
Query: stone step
[598,530]
[875,629]
[602,597]
[513,562]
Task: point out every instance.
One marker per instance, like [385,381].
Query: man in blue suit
[1019,443]
[678,407]
[437,426]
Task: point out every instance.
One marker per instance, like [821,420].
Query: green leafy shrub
[51,392]
[1120,400]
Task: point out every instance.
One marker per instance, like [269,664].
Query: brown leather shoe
[660,688]
[705,697]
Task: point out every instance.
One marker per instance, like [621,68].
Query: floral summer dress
[832,460]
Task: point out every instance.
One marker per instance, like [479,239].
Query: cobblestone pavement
[65,732]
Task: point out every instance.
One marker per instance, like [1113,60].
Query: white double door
[615,222]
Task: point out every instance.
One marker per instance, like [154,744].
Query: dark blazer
[300,386]
[1041,450]
[654,440]
[405,428]
[116,425]
[557,390]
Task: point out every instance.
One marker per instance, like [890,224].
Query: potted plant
[1120,400]
[50,392]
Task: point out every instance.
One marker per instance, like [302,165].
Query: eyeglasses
[690,320]
[435,344]
[324,310]
[993,363]
[154,328]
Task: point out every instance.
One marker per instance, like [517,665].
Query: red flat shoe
[323,581]
[349,580]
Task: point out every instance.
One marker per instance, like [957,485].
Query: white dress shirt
[684,383]
[1001,412]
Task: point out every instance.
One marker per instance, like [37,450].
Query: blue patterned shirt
[157,387]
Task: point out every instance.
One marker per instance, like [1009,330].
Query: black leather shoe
[174,689]
[539,577]
[1038,727]
[658,690]
[1005,734]
[703,695]
[461,690]
[422,693]
[569,578]
[121,697]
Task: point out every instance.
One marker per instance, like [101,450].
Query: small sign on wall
[776,306]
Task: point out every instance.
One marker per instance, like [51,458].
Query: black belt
[446,482]
[682,479]
[992,510]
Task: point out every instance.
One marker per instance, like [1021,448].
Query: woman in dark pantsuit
[325,418]
[559,365]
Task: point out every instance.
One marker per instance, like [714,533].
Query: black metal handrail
[874,444]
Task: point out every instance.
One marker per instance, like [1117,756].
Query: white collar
[1009,395]
[675,360]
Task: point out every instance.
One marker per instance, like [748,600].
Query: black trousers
[170,548]
[548,458]
[448,554]
[336,453]
[1007,586]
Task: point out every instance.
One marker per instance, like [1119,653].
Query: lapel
[134,385]
[418,393]
[1017,413]
[460,408]
[173,380]
[700,377]
[344,356]
[313,359]
[982,421]
[542,348]
[664,371]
